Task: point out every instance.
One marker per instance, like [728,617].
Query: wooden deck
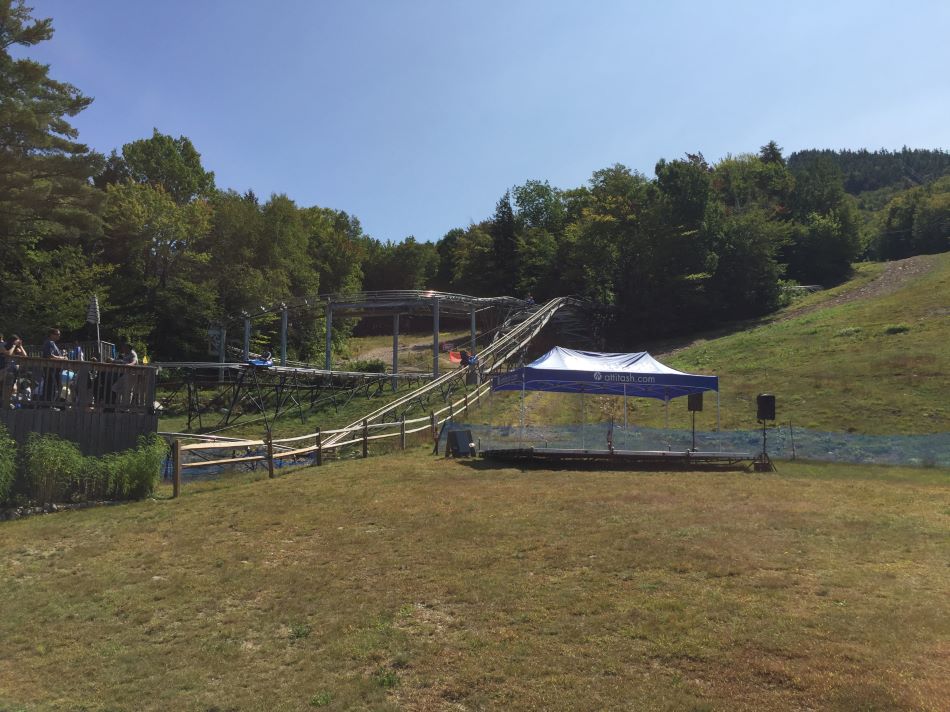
[101,407]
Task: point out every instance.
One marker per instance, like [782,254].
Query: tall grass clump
[7,463]
[51,467]
[56,471]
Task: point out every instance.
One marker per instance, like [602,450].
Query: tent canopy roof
[635,374]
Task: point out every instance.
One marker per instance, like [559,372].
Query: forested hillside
[169,252]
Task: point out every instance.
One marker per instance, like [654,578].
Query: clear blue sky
[415,116]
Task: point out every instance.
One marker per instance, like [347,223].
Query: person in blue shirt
[52,377]
[51,348]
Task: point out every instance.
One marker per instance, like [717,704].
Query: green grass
[412,582]
[876,365]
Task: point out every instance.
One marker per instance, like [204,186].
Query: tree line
[170,254]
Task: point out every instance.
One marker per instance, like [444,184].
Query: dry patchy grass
[412,582]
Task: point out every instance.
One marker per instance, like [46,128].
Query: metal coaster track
[512,338]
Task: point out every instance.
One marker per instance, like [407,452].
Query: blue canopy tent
[635,374]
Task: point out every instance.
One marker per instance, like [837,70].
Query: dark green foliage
[402,265]
[865,170]
[55,471]
[915,222]
[7,463]
[502,229]
[368,366]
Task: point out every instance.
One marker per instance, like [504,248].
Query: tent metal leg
[522,407]
[718,428]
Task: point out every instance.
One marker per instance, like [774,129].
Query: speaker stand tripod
[763,463]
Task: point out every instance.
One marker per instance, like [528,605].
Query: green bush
[51,466]
[896,329]
[367,366]
[141,468]
[7,463]
[56,471]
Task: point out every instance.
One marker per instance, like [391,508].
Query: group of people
[51,383]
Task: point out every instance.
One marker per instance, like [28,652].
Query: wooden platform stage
[622,459]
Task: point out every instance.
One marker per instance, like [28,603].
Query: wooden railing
[30,382]
[270,451]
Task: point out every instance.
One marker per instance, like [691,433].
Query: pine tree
[48,206]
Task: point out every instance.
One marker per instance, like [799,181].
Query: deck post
[395,350]
[435,337]
[283,335]
[472,330]
[176,468]
[270,456]
[327,362]
[247,339]
[222,351]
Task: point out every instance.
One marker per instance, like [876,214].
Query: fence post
[402,433]
[365,438]
[465,408]
[270,456]
[176,468]
[319,448]
[433,427]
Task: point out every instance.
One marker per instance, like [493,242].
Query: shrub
[140,469]
[849,331]
[52,467]
[132,474]
[896,329]
[55,470]
[7,463]
[369,366]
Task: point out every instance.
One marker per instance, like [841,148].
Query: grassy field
[416,583]
[877,364]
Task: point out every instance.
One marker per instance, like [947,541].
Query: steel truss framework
[216,396]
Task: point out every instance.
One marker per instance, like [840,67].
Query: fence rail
[277,449]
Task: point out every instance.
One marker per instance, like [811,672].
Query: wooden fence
[270,450]
[102,407]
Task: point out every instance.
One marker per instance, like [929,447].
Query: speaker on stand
[694,402]
[765,410]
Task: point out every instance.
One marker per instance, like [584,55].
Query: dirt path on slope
[895,275]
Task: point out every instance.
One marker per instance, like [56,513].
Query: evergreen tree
[503,231]
[48,206]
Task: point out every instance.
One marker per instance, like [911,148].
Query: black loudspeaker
[765,406]
[694,402]
[461,443]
